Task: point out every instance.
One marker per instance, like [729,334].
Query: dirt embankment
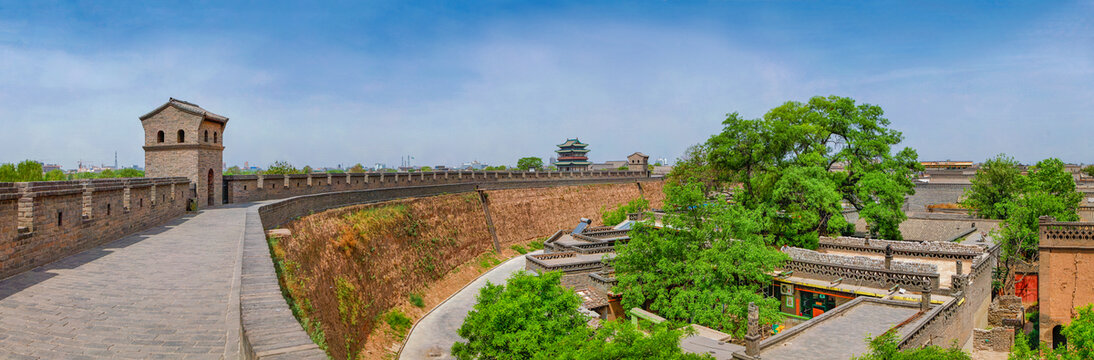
[352,274]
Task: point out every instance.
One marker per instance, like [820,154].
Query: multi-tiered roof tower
[572,156]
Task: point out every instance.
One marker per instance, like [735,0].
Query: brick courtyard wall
[1066,253]
[44,221]
[956,319]
[247,188]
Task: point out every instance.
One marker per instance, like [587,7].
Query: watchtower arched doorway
[209,188]
[1058,338]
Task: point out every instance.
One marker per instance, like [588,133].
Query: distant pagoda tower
[572,156]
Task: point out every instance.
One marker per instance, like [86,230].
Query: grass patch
[519,249]
[292,289]
[350,307]
[398,322]
[416,300]
[488,260]
[536,245]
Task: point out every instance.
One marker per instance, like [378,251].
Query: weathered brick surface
[45,221]
[195,157]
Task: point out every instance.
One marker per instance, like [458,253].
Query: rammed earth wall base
[269,330]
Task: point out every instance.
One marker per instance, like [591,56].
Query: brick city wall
[267,325]
[44,221]
[247,188]
[955,319]
[1066,254]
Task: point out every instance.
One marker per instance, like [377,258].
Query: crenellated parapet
[247,188]
[43,221]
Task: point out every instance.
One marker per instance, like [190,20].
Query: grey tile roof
[187,107]
[842,335]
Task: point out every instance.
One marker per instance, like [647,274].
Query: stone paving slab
[164,293]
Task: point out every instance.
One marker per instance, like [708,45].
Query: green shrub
[398,321]
[416,300]
[616,216]
[519,249]
[536,245]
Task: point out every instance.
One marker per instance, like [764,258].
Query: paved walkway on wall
[169,292]
[433,336]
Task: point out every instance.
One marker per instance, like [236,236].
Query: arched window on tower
[159,136]
[182,136]
[206,135]
[214,137]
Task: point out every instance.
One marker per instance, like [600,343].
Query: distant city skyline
[450,82]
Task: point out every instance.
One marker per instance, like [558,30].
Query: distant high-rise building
[572,156]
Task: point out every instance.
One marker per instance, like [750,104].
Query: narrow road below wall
[166,292]
[434,335]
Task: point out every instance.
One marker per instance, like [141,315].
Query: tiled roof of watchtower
[187,107]
[572,143]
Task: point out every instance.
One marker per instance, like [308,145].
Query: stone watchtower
[182,139]
[638,162]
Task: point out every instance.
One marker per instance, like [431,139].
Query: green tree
[618,340]
[1089,170]
[233,170]
[357,168]
[617,215]
[281,168]
[525,319]
[130,173]
[994,186]
[307,170]
[29,170]
[107,174]
[623,168]
[529,163]
[705,267]
[802,161]
[8,173]
[884,347]
[56,175]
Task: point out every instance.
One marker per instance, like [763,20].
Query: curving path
[433,336]
[169,292]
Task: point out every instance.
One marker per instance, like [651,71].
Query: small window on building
[159,136]
[206,135]
[244,187]
[60,215]
[182,136]
[214,137]
[140,203]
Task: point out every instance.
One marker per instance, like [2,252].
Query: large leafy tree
[281,168]
[29,170]
[704,267]
[619,340]
[801,161]
[533,317]
[1000,191]
[523,319]
[993,188]
[529,163]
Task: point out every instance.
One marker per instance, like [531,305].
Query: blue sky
[448,82]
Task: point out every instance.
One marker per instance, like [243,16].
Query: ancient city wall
[268,326]
[44,221]
[247,188]
[955,319]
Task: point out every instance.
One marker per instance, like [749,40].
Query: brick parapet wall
[44,221]
[956,319]
[247,188]
[268,327]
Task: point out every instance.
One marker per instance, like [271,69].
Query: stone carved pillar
[752,340]
[888,257]
[960,265]
[925,301]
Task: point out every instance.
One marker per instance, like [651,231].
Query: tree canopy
[533,317]
[798,164]
[281,168]
[529,163]
[617,215]
[993,188]
[705,267]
